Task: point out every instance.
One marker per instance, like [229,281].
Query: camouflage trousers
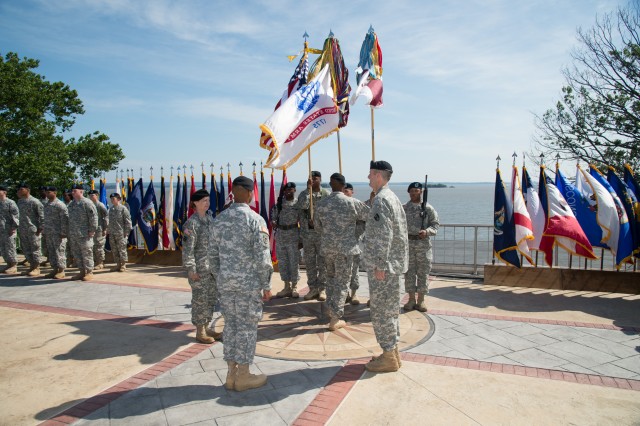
[30,245]
[416,279]
[354,283]
[45,246]
[99,241]
[8,248]
[384,300]
[288,256]
[203,299]
[314,263]
[82,250]
[242,312]
[338,268]
[118,248]
[56,247]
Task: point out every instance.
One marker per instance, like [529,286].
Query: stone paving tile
[614,335]
[501,324]
[476,347]
[506,339]
[606,346]
[132,410]
[459,321]
[560,332]
[445,334]
[266,417]
[501,360]
[431,348]
[100,417]
[632,364]
[290,401]
[574,368]
[275,366]
[441,323]
[523,330]
[534,357]
[540,339]
[613,370]
[225,405]
[174,309]
[578,354]
[187,368]
[213,364]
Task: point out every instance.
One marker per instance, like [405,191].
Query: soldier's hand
[311,224]
[266,295]
[194,276]
[91,234]
[380,275]
[104,233]
[422,234]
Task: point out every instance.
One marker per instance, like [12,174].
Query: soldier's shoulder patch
[377,216]
[186,231]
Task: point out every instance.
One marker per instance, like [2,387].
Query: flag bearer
[421,227]
[83,223]
[31,226]
[9,222]
[56,229]
[100,238]
[354,283]
[285,220]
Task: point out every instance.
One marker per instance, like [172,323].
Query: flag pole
[373,140]
[310,187]
[339,153]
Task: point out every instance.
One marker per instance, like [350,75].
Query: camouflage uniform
[99,239]
[195,258]
[83,219]
[314,263]
[43,237]
[9,222]
[31,223]
[336,219]
[416,280]
[119,227]
[56,229]
[385,249]
[354,284]
[241,264]
[287,240]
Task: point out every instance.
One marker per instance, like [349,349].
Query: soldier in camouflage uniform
[9,222]
[336,218]
[195,246]
[354,283]
[31,226]
[101,233]
[313,261]
[416,280]
[67,197]
[285,221]
[118,229]
[56,229]
[83,222]
[385,256]
[43,239]
[241,265]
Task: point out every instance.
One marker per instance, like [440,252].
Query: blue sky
[186,82]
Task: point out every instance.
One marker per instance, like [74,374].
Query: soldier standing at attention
[83,222]
[100,238]
[241,265]
[67,197]
[195,247]
[354,283]
[31,226]
[118,228]
[421,226]
[9,222]
[56,229]
[385,256]
[285,220]
[313,260]
[336,217]
[43,239]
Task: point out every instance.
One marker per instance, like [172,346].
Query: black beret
[348,186]
[115,195]
[244,182]
[67,191]
[94,192]
[290,185]
[316,173]
[24,185]
[199,195]
[338,178]
[414,185]
[43,188]
[3,188]
[381,165]
[51,188]
[77,186]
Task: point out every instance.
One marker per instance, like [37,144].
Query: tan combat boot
[336,323]
[411,303]
[294,291]
[123,267]
[11,268]
[286,291]
[396,352]
[385,363]
[354,298]
[322,296]
[88,276]
[246,380]
[51,274]
[98,267]
[313,294]
[78,276]
[212,333]
[232,373]
[201,335]
[34,271]
[421,305]
[59,274]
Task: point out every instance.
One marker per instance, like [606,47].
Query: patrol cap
[243,182]
[77,186]
[348,186]
[94,192]
[381,165]
[50,188]
[414,185]
[115,195]
[316,173]
[290,185]
[199,195]
[24,185]
[338,178]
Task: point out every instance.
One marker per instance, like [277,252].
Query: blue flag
[625,239]
[629,201]
[181,217]
[221,195]
[147,219]
[505,245]
[213,196]
[103,193]
[134,200]
[176,215]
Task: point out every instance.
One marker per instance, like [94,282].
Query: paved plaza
[121,350]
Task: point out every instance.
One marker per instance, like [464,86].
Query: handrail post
[475,250]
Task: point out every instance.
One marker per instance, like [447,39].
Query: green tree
[34,116]
[598,118]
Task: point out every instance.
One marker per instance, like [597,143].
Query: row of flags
[596,210]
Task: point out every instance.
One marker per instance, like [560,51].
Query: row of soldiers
[73,231]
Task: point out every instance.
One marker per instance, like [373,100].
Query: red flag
[255,203]
[193,189]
